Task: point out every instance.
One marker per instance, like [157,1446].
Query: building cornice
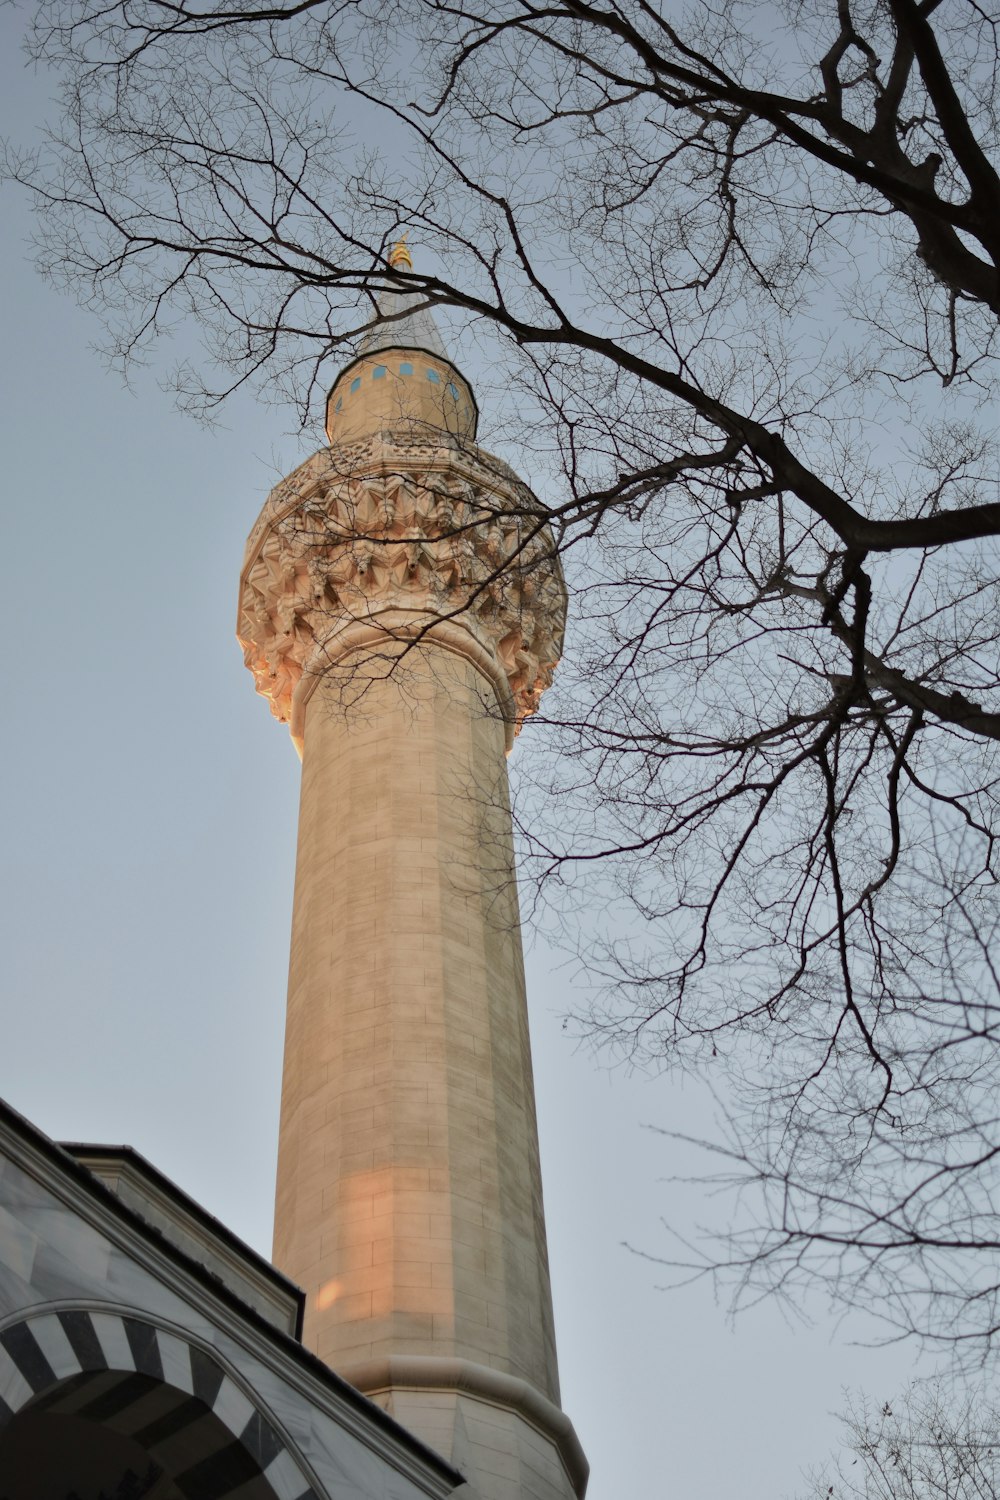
[182,1221]
[81,1191]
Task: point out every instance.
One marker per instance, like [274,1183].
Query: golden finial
[399,255]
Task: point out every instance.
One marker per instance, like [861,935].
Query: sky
[146,874]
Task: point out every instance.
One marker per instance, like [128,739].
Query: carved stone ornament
[390,540]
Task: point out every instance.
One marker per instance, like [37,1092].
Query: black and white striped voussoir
[152,1386]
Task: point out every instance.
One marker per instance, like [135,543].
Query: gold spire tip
[399,255]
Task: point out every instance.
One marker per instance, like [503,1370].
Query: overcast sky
[147,871]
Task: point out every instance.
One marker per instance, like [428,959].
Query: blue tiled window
[378,372]
[453,390]
[406,368]
[356,383]
[433,375]
[340,402]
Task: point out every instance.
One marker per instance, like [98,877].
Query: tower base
[510,1442]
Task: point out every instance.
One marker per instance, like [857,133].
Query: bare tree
[735,276]
[924,1446]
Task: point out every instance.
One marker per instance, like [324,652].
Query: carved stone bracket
[382,543]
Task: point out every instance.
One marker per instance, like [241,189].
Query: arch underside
[167,1397]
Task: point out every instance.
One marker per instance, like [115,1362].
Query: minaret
[402,608]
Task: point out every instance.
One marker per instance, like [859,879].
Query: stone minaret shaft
[401,608]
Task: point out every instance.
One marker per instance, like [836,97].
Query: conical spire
[403,375]
[404,322]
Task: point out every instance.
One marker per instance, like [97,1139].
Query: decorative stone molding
[417,1372]
[369,547]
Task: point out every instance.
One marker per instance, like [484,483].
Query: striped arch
[154,1387]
